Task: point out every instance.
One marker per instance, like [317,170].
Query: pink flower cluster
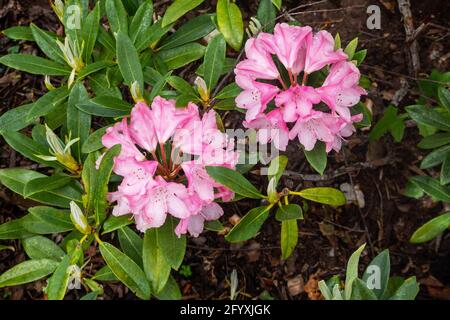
[155,184]
[299,50]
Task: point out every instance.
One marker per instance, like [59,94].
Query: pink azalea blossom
[310,129]
[297,101]
[155,185]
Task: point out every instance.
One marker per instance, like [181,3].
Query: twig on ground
[405,9]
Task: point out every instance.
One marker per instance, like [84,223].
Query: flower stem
[305,78]
[282,83]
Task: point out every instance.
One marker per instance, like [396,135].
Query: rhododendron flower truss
[164,151]
[311,114]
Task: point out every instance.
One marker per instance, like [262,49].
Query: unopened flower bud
[272,191]
[136,92]
[202,89]
[79,219]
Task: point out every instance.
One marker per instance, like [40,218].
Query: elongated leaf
[15,179]
[429,117]
[94,141]
[113,223]
[141,23]
[289,212]
[360,291]
[156,267]
[34,65]
[431,229]
[105,274]
[191,31]
[14,229]
[229,19]
[351,48]
[39,247]
[435,158]
[117,16]
[352,271]
[432,187]
[214,61]
[126,270]
[234,181]
[376,276]
[180,56]
[277,167]
[45,184]
[105,106]
[230,91]
[182,86]
[47,220]
[58,282]
[93,68]
[27,271]
[445,170]
[249,225]
[89,32]
[172,247]
[131,244]
[47,43]
[48,102]
[324,195]
[19,33]
[177,9]
[266,15]
[407,291]
[434,141]
[100,188]
[289,237]
[229,65]
[152,36]
[444,97]
[78,122]
[128,60]
[171,291]
[16,118]
[317,157]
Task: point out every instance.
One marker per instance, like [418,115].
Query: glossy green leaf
[58,282]
[117,16]
[234,181]
[128,60]
[249,225]
[214,61]
[266,15]
[105,274]
[177,9]
[34,65]
[182,86]
[317,157]
[156,268]
[126,270]
[171,291]
[16,119]
[277,3]
[277,167]
[93,68]
[434,141]
[445,170]
[230,91]
[180,56]
[429,117]
[325,195]
[39,247]
[229,19]
[89,32]
[27,271]
[289,237]
[407,291]
[377,273]
[351,48]
[131,244]
[14,229]
[352,271]
[47,43]
[432,187]
[105,106]
[114,223]
[431,229]
[172,247]
[45,184]
[289,212]
[444,97]
[47,220]
[435,157]
[48,102]
[360,291]
[19,33]
[94,141]
[142,22]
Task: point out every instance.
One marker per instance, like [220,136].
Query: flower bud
[58,8]
[272,191]
[136,92]
[202,89]
[79,219]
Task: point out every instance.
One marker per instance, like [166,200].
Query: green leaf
[94,141]
[429,117]
[89,32]
[16,118]
[191,31]
[152,36]
[171,291]
[277,3]
[352,271]
[117,16]
[47,43]
[46,220]
[444,97]
[113,223]
[131,244]
[105,274]
[230,91]
[177,9]
[234,181]
[13,230]
[34,65]
[128,60]
[105,106]
[383,125]
[431,229]
[435,158]
[360,291]
[172,247]
[377,273]
[19,33]
[214,61]
[326,292]
[142,22]
[47,103]
[156,268]
[360,56]
[78,122]
[249,225]
[93,68]
[182,86]
[89,180]
[407,291]
[45,184]
[126,270]
[229,65]
[39,247]
[289,212]
[289,237]
[351,48]
[229,20]
[266,15]
[27,271]
[432,187]
[434,141]
[100,188]
[15,179]
[58,282]
[180,56]
[325,195]
[214,225]
[317,157]
[90,296]
[445,170]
